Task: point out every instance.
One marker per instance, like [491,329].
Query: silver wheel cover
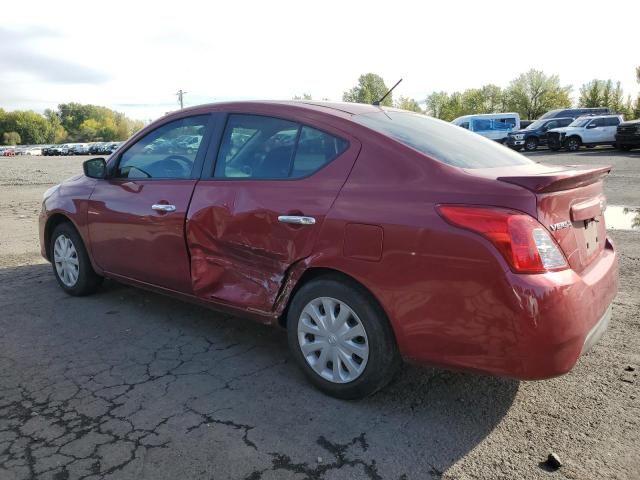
[333,340]
[65,258]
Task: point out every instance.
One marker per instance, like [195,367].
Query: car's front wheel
[71,264]
[573,144]
[531,144]
[341,338]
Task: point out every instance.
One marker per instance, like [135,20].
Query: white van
[495,126]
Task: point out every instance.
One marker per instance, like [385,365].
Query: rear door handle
[297,220]
[162,207]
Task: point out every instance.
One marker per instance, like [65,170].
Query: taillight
[524,243]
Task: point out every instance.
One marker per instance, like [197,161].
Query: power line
[180,94]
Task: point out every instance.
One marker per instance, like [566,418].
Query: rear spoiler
[561,180]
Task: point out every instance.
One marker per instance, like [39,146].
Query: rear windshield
[440,140]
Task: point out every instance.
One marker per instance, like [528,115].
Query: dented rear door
[240,251]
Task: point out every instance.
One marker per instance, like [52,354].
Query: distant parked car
[574,112]
[112,147]
[96,147]
[79,149]
[535,135]
[30,150]
[628,135]
[587,131]
[494,126]
[9,152]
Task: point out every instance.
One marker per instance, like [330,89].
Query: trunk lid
[570,203]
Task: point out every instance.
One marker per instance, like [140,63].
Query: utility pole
[180,94]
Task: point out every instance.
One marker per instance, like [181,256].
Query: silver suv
[587,131]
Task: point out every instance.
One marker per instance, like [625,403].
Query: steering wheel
[177,162]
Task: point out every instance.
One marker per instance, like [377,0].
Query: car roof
[340,109]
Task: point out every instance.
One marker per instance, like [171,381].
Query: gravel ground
[130,384]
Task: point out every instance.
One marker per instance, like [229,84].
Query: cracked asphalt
[128,384]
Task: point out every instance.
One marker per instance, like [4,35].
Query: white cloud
[133,56]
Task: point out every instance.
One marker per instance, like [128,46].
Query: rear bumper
[565,315]
[523,326]
[597,331]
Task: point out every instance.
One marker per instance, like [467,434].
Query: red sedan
[370,234]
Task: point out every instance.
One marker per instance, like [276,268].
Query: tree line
[530,94]
[70,122]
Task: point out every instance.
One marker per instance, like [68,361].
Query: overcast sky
[133,56]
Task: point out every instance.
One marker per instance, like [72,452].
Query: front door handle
[162,207]
[297,220]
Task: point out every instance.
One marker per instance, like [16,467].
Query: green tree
[370,88]
[436,104]
[406,103]
[591,94]
[55,131]
[11,138]
[534,93]
[603,93]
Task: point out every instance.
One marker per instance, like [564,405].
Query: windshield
[535,125]
[440,140]
[580,122]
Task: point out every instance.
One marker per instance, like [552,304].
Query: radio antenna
[377,103]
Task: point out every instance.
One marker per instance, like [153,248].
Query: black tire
[573,144]
[88,281]
[383,358]
[624,148]
[531,144]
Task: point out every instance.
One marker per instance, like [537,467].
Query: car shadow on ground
[165,389]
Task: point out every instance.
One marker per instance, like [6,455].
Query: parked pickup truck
[628,135]
[535,135]
[587,131]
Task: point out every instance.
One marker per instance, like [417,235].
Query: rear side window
[565,122]
[612,122]
[440,140]
[314,150]
[260,147]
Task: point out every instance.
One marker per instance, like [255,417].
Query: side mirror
[95,168]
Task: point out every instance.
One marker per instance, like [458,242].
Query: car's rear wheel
[531,144]
[624,148]
[71,264]
[573,144]
[341,338]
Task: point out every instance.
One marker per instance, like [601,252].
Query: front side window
[442,141]
[167,152]
[465,125]
[612,121]
[505,123]
[552,124]
[580,122]
[259,147]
